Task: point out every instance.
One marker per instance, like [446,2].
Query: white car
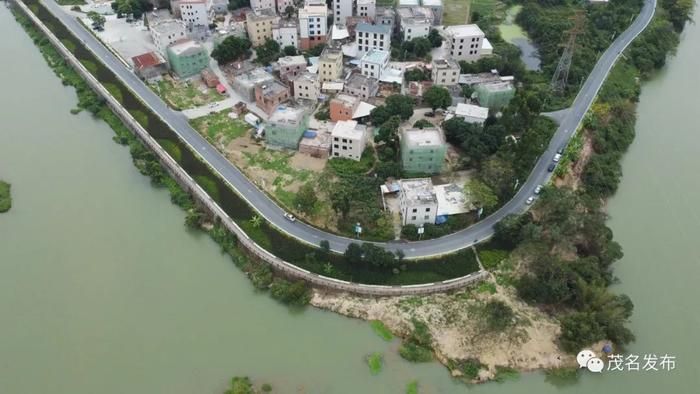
[538,189]
[557,157]
[530,200]
[290,217]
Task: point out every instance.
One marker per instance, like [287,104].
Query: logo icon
[587,359]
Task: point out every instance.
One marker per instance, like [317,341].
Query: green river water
[103,290]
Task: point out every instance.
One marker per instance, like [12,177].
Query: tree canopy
[231,48]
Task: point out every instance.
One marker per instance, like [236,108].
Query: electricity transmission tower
[561,74]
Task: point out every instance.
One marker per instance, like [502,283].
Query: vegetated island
[5,197]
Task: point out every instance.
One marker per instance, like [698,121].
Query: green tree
[435,38]
[415,74]
[289,11]
[267,52]
[437,97]
[400,105]
[306,198]
[289,50]
[98,21]
[241,385]
[480,194]
[236,4]
[231,48]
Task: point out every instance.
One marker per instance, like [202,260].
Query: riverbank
[5,197]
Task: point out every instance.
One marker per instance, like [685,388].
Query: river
[103,290]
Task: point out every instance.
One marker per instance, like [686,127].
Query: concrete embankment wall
[253,249]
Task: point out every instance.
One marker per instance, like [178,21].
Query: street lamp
[421,230]
[358,229]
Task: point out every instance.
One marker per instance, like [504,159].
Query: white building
[374,62]
[341,10]
[445,72]
[472,113]
[466,42]
[437,8]
[348,140]
[408,3]
[306,86]
[286,33]
[262,4]
[415,22]
[313,26]
[194,12]
[417,201]
[166,32]
[367,8]
[370,36]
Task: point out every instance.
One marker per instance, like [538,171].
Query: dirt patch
[572,178]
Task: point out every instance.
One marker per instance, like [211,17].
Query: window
[427,209]
[413,218]
[415,210]
[426,217]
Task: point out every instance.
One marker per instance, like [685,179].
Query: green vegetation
[412,387]
[134,7]
[91,66]
[70,2]
[236,4]
[5,197]
[114,91]
[563,375]
[172,148]
[430,231]
[381,330]
[504,373]
[232,48]
[491,258]
[267,52]
[98,20]
[437,97]
[418,346]
[375,361]
[184,95]
[219,129]
[140,117]
[240,385]
[469,368]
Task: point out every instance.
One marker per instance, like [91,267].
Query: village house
[417,201]
[313,25]
[194,12]
[386,16]
[348,140]
[341,10]
[244,83]
[306,86]
[423,150]
[259,25]
[471,113]
[436,7]
[149,65]
[286,33]
[445,72]
[286,126]
[316,144]
[271,94]
[374,62]
[291,66]
[372,36]
[187,58]
[165,33]
[283,4]
[367,8]
[330,65]
[466,42]
[414,22]
[262,4]
[342,107]
[361,86]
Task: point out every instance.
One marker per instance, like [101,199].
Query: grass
[504,373]
[209,186]
[375,361]
[92,67]
[456,12]
[381,330]
[412,387]
[69,45]
[486,287]
[5,198]
[172,148]
[385,3]
[278,162]
[219,128]
[184,95]
[491,258]
[140,117]
[114,91]
[70,2]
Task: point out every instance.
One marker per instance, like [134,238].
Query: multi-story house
[187,58]
[361,86]
[262,4]
[306,86]
[283,4]
[367,8]
[166,32]
[259,25]
[286,33]
[372,36]
[341,10]
[342,107]
[417,201]
[330,65]
[423,150]
[313,26]
[415,22]
[271,94]
[194,12]
[291,66]
[374,62]
[437,8]
[445,72]
[348,140]
[465,42]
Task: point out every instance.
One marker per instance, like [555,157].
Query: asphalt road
[270,211]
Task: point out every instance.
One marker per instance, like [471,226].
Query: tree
[379,115]
[241,385]
[289,50]
[289,11]
[421,46]
[267,52]
[480,195]
[435,38]
[400,105]
[415,74]
[236,4]
[306,198]
[98,21]
[232,48]
[437,97]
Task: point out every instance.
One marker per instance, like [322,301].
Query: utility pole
[561,75]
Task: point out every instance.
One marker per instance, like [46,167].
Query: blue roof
[370,28]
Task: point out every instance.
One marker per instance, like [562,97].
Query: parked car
[290,217]
[530,200]
[538,189]
[561,149]
[556,158]
[551,167]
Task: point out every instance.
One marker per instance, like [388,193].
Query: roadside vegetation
[219,129]
[184,95]
[5,197]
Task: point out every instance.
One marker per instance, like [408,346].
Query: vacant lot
[456,12]
[219,128]
[185,94]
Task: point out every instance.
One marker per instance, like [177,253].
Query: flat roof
[286,60]
[345,98]
[464,30]
[418,190]
[408,3]
[307,76]
[432,3]
[424,137]
[185,46]
[261,14]
[254,76]
[451,200]
[357,80]
[167,25]
[348,129]
[312,10]
[445,63]
[330,54]
[376,56]
[272,87]
[472,111]
[287,115]
[373,28]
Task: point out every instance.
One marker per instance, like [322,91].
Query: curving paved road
[270,211]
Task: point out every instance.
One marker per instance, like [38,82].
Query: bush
[418,346]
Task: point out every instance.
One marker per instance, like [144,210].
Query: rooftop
[167,25]
[307,76]
[472,111]
[357,80]
[373,28]
[313,10]
[254,76]
[331,55]
[376,56]
[290,60]
[445,64]
[409,3]
[364,2]
[497,86]
[348,129]
[423,137]
[146,60]
[260,15]
[415,15]
[286,23]
[418,190]
[185,47]
[451,200]
[464,30]
[272,88]
[432,3]
[346,99]
[285,115]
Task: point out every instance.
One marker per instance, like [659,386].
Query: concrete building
[437,7]
[341,10]
[423,150]
[374,62]
[283,4]
[407,3]
[217,6]
[291,66]
[286,33]
[306,86]
[165,33]
[445,72]
[313,26]
[414,22]
[269,95]
[372,36]
[286,127]
[262,4]
[259,25]
[472,113]
[343,107]
[367,8]
[348,140]
[318,145]
[386,16]
[330,65]
[187,58]
[245,82]
[194,12]
[465,42]
[359,85]
[417,201]
[149,65]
